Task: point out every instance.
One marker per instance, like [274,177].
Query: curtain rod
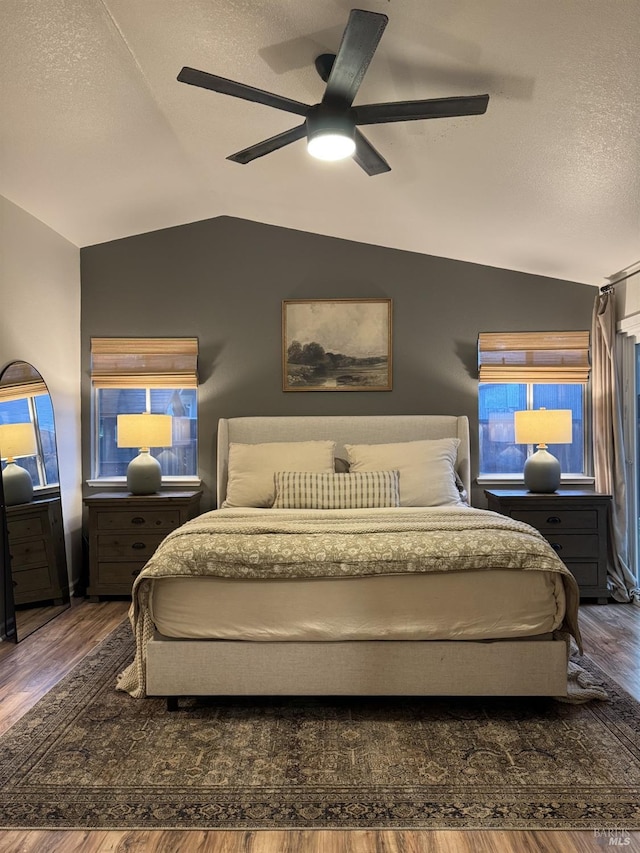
[607,288]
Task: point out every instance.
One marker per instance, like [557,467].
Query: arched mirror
[35,583]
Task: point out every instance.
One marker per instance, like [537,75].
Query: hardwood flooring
[29,669]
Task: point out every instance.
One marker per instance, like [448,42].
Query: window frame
[44,485]
[111,479]
[148,365]
[576,478]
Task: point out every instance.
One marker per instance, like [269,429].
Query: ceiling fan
[331,127]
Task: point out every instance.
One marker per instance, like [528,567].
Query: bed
[294,586]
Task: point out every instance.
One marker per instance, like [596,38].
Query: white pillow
[252,468]
[313,490]
[427,468]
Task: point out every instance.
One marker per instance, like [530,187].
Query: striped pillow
[317,490]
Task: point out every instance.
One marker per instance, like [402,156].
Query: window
[134,375]
[530,370]
[36,408]
[499,454]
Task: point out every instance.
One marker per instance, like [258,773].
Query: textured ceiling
[99,141]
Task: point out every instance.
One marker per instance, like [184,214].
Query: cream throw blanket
[269,543]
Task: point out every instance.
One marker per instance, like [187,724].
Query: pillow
[462,492]
[306,490]
[252,466]
[427,468]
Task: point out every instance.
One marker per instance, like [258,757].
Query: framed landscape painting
[336,345]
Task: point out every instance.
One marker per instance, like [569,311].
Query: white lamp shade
[17,440]
[543,426]
[144,430]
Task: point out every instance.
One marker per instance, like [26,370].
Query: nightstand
[124,532]
[575,524]
[36,543]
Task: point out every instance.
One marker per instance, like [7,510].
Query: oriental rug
[88,756]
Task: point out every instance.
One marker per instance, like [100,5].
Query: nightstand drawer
[30,580]
[139,520]
[28,553]
[124,546]
[25,528]
[586,574]
[561,519]
[119,574]
[574,547]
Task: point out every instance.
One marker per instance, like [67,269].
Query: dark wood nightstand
[36,543]
[124,532]
[575,524]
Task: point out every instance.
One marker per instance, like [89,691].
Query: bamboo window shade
[144,362]
[21,380]
[545,357]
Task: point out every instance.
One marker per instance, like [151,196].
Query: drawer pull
[137,519]
[15,583]
[556,546]
[135,573]
[139,546]
[553,519]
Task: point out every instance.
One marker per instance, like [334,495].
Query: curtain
[608,446]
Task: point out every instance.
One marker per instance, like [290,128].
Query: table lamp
[542,427]
[144,475]
[17,440]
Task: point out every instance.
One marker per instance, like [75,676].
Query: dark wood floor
[28,670]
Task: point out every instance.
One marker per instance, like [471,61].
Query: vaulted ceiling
[99,141]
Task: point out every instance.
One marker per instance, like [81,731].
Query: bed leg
[172,703]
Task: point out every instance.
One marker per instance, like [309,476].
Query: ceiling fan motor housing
[322,118]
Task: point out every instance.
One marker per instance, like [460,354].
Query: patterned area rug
[88,756]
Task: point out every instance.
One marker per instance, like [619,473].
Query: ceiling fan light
[331,145]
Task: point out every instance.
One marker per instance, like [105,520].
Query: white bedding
[458,606]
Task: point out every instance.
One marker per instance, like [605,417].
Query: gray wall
[223,280]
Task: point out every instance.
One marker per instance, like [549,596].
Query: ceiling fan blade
[359,41]
[412,110]
[239,90]
[268,145]
[368,158]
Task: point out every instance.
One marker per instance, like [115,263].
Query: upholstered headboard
[347,429]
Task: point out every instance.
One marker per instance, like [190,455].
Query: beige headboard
[347,429]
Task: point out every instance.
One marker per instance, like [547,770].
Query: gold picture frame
[336,345]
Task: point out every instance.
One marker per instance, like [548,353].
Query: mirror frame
[7,609]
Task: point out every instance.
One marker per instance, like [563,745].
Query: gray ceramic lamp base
[542,472]
[144,475]
[17,485]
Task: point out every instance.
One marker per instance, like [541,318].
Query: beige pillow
[252,468]
[427,468]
